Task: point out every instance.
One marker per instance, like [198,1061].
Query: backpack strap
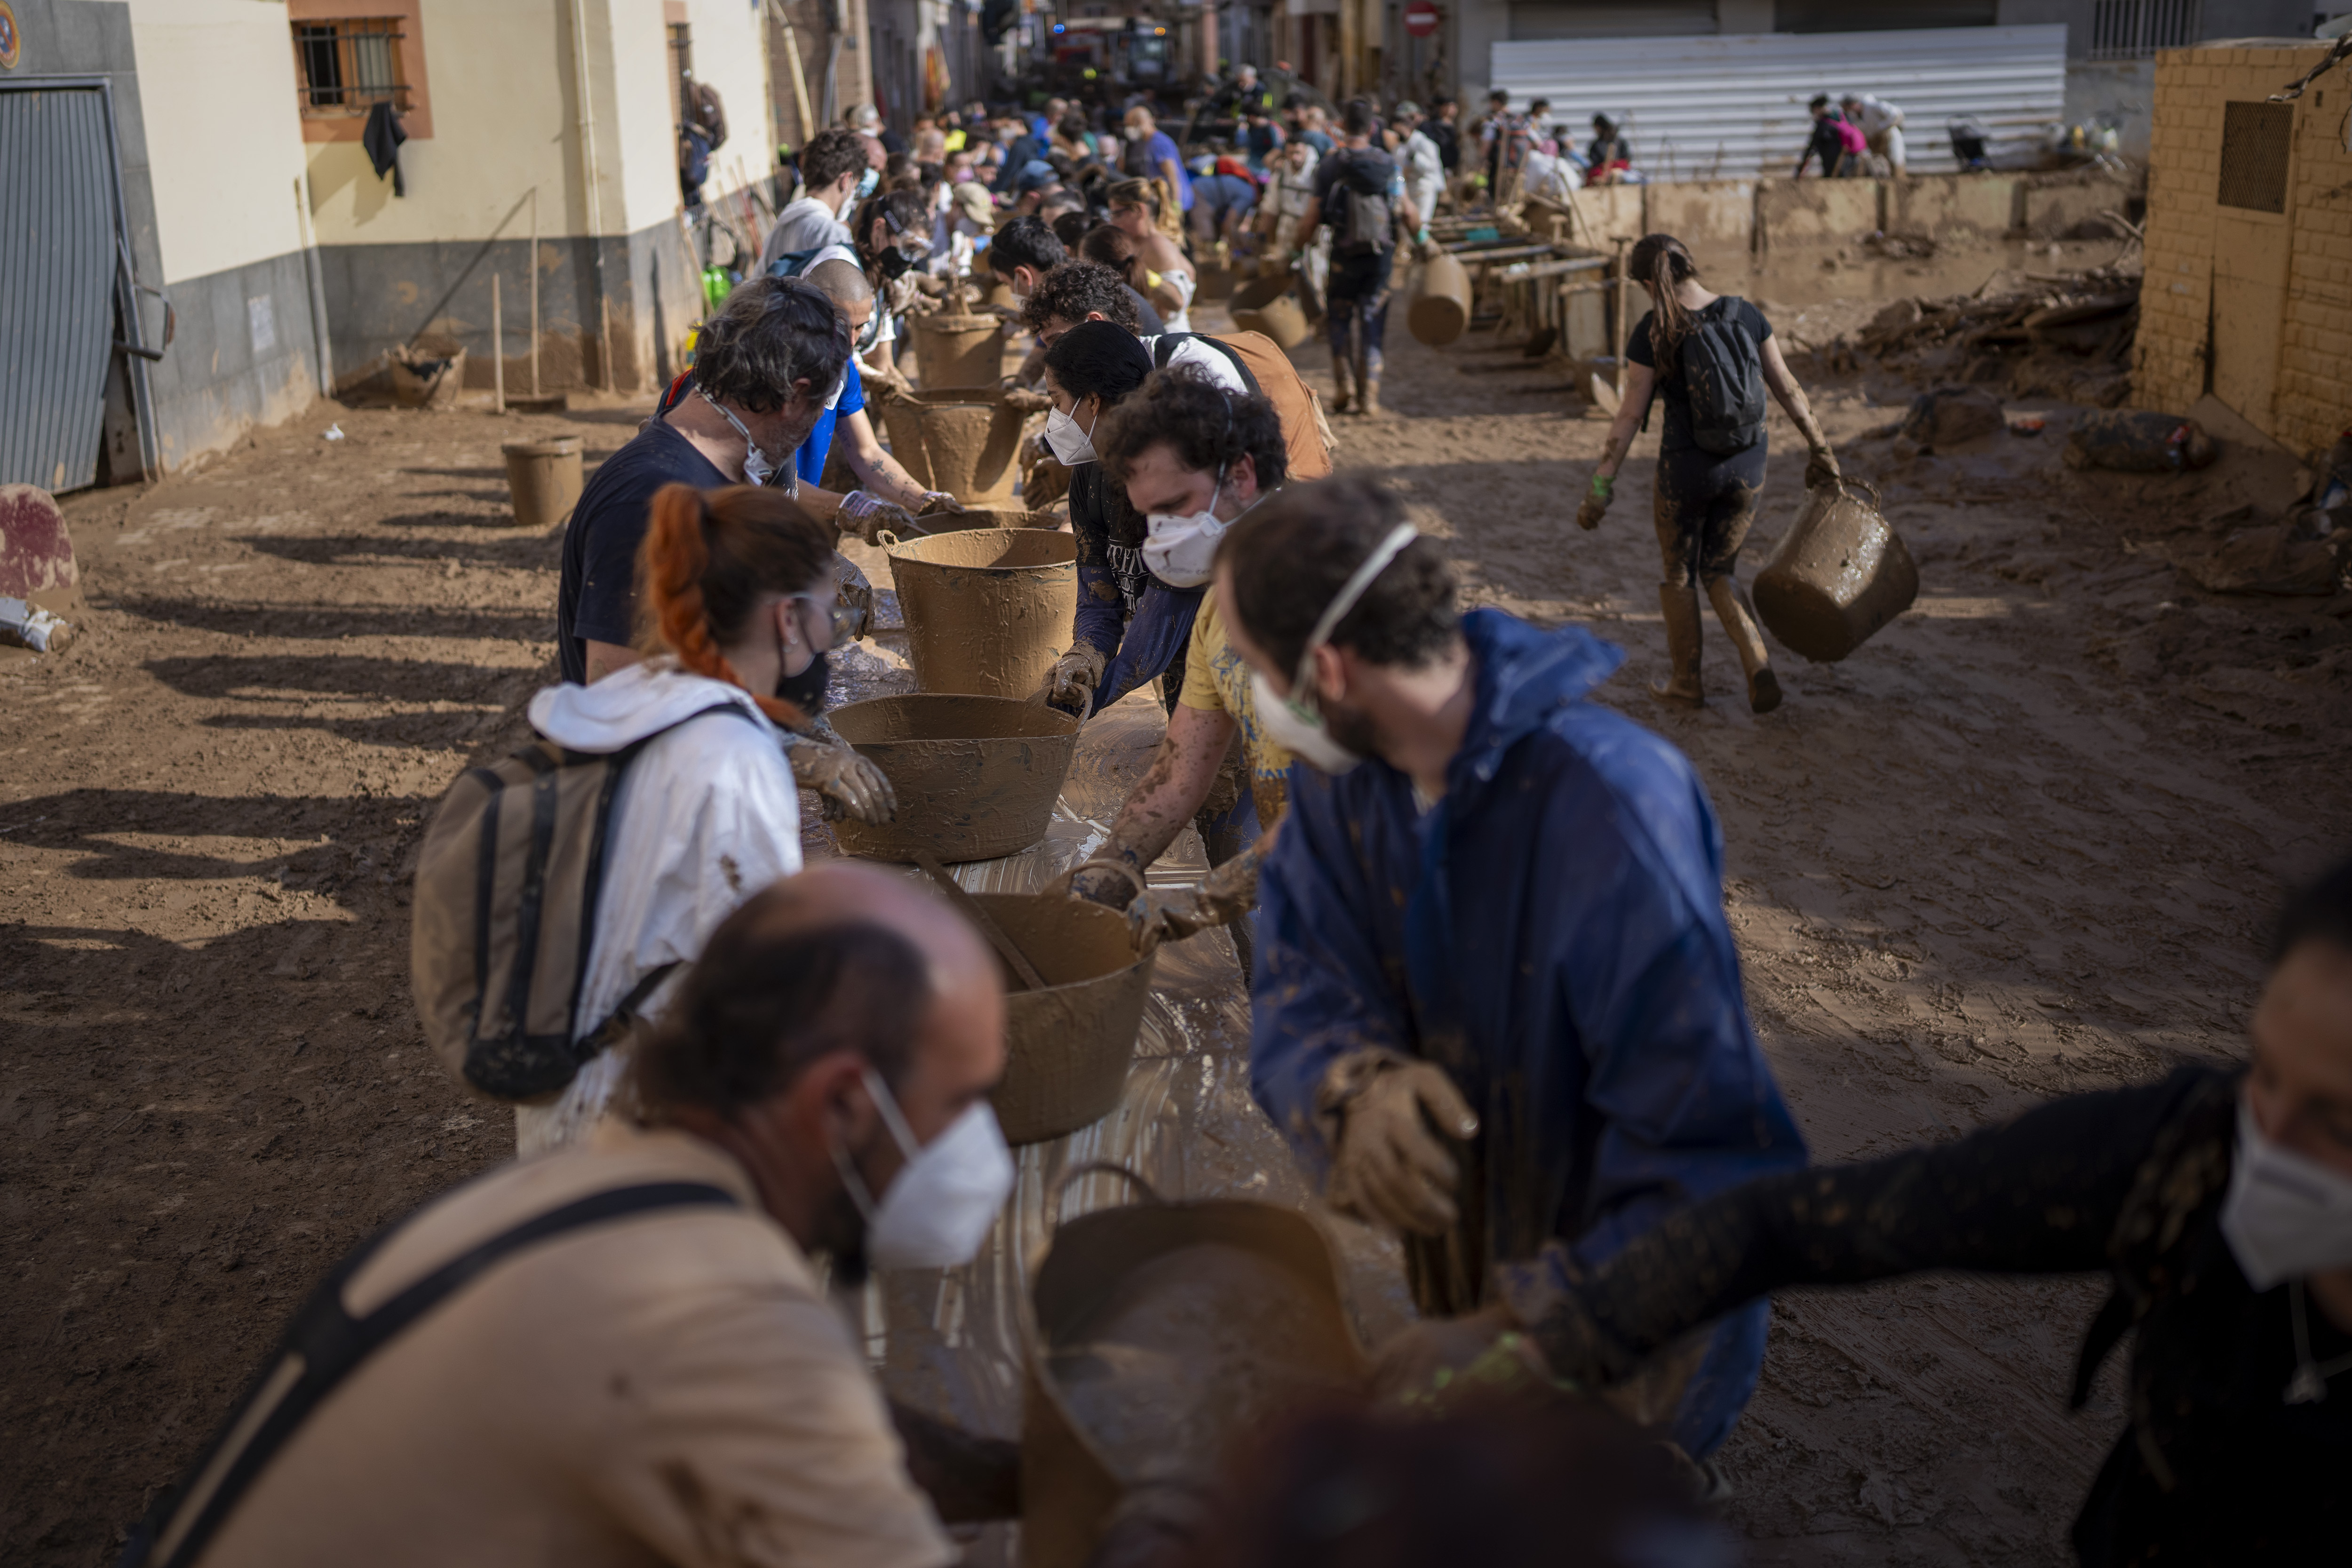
[325,1344]
[1163,349]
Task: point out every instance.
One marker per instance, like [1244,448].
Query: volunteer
[2218,1200]
[1609,157]
[1828,140]
[1424,171]
[1497,1003]
[658,1376]
[1351,194]
[740,603]
[878,473]
[1151,154]
[1135,208]
[835,177]
[1290,245]
[1192,458]
[1117,249]
[1710,457]
[894,240]
[1881,124]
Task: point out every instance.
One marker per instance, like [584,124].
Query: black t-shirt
[1671,395]
[1449,143]
[596,596]
[1353,169]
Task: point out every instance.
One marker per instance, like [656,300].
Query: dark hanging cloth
[383,137]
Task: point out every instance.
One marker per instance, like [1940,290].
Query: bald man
[852,292]
[666,1382]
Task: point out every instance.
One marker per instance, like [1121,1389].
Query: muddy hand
[1107,885]
[852,593]
[1821,468]
[849,783]
[867,515]
[1390,1168]
[1168,914]
[1431,1356]
[936,502]
[1075,676]
[1596,502]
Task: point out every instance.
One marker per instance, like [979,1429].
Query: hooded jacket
[1552,933]
[706,815]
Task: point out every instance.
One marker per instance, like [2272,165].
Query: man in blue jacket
[1496,1003]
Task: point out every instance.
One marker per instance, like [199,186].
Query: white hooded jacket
[706,815]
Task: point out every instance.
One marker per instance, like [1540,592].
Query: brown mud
[2027,840]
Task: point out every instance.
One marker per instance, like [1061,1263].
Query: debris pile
[2067,336]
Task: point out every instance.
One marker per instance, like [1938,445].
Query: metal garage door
[56,308]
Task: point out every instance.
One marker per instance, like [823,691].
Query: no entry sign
[1421,19]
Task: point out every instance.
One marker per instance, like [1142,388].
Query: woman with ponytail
[1709,358]
[735,598]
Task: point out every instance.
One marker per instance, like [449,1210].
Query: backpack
[1267,372]
[1723,379]
[507,888]
[1368,224]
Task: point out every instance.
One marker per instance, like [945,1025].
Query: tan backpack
[507,891]
[1265,370]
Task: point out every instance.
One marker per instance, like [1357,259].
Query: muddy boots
[1343,399]
[1368,385]
[1738,618]
[1681,688]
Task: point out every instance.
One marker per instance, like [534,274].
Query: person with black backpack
[1354,191]
[1708,358]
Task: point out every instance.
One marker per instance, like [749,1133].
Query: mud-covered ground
[2026,842]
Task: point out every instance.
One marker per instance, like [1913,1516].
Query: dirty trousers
[1358,304]
[1704,508]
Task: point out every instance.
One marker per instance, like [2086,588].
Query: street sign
[1421,19]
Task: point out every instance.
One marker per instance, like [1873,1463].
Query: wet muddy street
[2027,840]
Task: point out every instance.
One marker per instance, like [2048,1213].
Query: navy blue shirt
[596,597]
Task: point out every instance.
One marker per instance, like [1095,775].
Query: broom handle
[976,912]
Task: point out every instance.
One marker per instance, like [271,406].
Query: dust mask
[2285,1216]
[1182,552]
[757,470]
[941,1205]
[865,188]
[1071,443]
[1295,722]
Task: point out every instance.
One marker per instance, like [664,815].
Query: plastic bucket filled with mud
[1440,311]
[960,439]
[988,610]
[1160,1335]
[1268,305]
[1840,574]
[959,351]
[976,777]
[1067,1046]
[543,479]
[973,516]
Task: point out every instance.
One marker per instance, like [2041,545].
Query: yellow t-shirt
[1217,680]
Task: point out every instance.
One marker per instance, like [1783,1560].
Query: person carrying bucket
[1498,1005]
[1708,358]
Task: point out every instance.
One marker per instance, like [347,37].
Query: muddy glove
[1389,1165]
[936,502]
[1022,400]
[852,593]
[1108,880]
[1072,682]
[1168,914]
[1485,1350]
[867,515]
[851,786]
[1821,468]
[1596,501]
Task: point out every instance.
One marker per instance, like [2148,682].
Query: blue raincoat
[1552,933]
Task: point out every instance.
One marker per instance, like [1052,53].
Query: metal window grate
[350,65]
[2135,29]
[2256,139]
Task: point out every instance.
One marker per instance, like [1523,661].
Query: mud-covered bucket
[1440,311]
[544,478]
[988,610]
[1158,1336]
[1270,305]
[976,777]
[1840,574]
[959,351]
[930,523]
[1066,1047]
[964,440]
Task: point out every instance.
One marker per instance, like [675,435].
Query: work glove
[1170,914]
[852,593]
[1076,677]
[1821,468]
[1483,1351]
[1107,881]
[937,502]
[1596,501]
[1025,400]
[1389,1166]
[868,516]
[851,784]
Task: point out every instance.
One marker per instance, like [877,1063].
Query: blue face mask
[865,184]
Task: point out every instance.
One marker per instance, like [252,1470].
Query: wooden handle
[977,913]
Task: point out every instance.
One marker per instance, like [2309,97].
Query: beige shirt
[668,1387]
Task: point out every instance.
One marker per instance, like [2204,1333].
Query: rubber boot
[1738,618]
[1368,387]
[1343,401]
[1679,602]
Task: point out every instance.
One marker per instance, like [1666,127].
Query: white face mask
[757,468]
[858,193]
[941,1205]
[2286,1215]
[1182,552]
[1295,722]
[1132,132]
[1071,443]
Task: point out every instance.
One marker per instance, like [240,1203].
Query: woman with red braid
[735,600]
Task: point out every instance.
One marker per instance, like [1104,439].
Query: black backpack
[1367,224]
[1723,378]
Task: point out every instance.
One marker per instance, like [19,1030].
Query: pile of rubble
[2064,336]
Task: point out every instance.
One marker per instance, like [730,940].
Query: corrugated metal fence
[56,308]
[1733,106]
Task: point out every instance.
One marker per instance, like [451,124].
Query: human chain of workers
[1496,1004]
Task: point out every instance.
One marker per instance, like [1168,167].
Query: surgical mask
[893,263]
[2286,1214]
[1132,132]
[806,691]
[1295,722]
[939,1207]
[757,470]
[1182,552]
[1071,443]
[865,184]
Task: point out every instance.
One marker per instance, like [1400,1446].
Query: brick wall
[2313,400]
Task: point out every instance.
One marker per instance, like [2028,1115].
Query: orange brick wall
[2313,400]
